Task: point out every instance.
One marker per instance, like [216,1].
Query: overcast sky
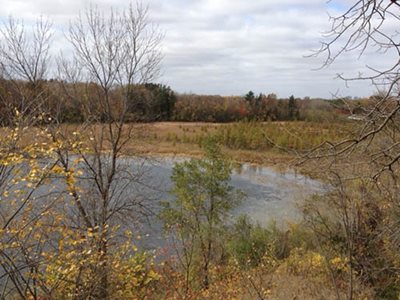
[229,47]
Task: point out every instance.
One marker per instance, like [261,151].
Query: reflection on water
[270,195]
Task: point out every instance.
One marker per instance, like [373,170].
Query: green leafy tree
[203,199]
[248,242]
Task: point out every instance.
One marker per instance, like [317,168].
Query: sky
[229,47]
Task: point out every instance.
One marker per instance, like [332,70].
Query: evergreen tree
[293,112]
[249,97]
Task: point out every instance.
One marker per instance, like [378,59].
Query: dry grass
[183,138]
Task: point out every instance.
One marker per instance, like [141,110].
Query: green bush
[250,243]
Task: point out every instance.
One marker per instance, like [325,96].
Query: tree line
[73,102]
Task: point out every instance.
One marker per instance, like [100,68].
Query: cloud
[229,47]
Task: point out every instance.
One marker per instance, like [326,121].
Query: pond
[270,195]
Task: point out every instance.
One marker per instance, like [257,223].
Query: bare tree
[370,25]
[363,169]
[111,54]
[24,64]
[114,52]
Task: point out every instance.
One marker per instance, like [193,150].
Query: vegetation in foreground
[64,203]
[344,250]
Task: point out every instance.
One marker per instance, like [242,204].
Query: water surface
[270,195]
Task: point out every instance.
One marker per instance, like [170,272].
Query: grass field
[266,143]
[256,142]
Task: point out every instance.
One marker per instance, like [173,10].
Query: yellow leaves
[78,241]
[153,275]
[302,262]
[76,145]
[12,159]
[58,169]
[73,253]
[313,264]
[61,246]
[132,276]
[316,260]
[128,272]
[14,244]
[70,179]
[266,292]
[128,234]
[340,263]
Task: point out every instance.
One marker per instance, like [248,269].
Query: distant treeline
[77,102]
[204,108]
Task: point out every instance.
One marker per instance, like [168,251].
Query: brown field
[183,138]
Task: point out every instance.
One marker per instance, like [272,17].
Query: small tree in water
[203,199]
